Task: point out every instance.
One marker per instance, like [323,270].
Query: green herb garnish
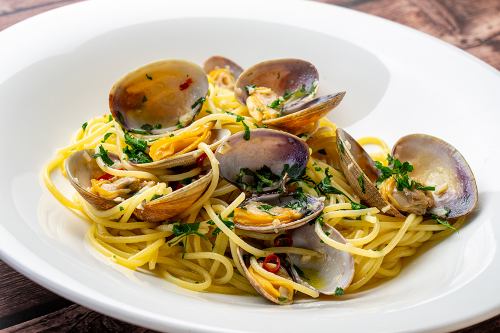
[84,125]
[325,186]
[443,222]
[339,291]
[106,136]
[361,183]
[186,229]
[399,170]
[156,196]
[103,154]
[227,223]
[149,77]
[136,150]
[356,206]
[197,103]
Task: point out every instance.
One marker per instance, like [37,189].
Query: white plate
[56,70]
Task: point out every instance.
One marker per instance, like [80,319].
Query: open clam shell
[216,138]
[163,93]
[359,169]
[281,75]
[81,167]
[304,117]
[437,163]
[174,203]
[243,257]
[216,62]
[309,210]
[265,148]
[334,269]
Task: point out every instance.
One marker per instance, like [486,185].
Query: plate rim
[103,305]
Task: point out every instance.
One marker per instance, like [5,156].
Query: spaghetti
[198,250]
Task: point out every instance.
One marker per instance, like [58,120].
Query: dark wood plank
[21,299]
[75,318]
[471,25]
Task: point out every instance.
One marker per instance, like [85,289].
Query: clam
[437,166]
[441,165]
[217,136]
[173,204]
[261,166]
[219,62]
[303,118]
[361,173]
[162,94]
[332,270]
[279,93]
[82,168]
[272,291]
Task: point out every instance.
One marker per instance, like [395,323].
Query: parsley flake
[103,154]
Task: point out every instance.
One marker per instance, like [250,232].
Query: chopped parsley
[121,209]
[339,291]
[341,146]
[179,125]
[259,179]
[186,229]
[399,170]
[317,168]
[136,150]
[149,77]
[84,125]
[227,223]
[148,128]
[276,104]
[110,118]
[300,202]
[106,136]
[266,208]
[361,183]
[103,154]
[156,196]
[357,206]
[199,102]
[297,94]
[443,222]
[325,186]
[186,181]
[282,299]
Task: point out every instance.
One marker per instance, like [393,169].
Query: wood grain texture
[471,25]
[21,299]
[75,318]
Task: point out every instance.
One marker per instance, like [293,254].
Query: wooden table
[471,25]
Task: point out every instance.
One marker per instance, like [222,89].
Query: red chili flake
[283,240]
[106,176]
[272,259]
[186,84]
[201,159]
